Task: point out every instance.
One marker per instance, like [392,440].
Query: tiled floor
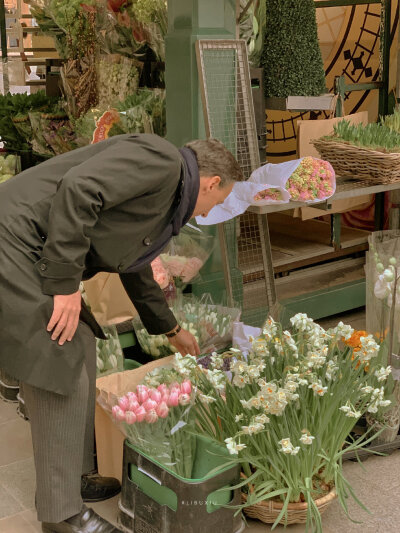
[376,483]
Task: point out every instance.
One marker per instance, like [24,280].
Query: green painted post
[188,21]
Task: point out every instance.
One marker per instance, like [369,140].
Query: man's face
[210,194]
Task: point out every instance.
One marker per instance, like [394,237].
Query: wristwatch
[173,332]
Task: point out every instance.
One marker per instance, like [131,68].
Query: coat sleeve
[130,168]
[149,300]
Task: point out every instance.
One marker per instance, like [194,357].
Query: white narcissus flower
[217,379]
[252,429]
[238,418]
[232,447]
[302,322]
[287,447]
[306,438]
[217,361]
[318,388]
[239,367]
[367,390]
[343,330]
[240,380]
[206,399]
[261,419]
[369,348]
[184,365]
[383,373]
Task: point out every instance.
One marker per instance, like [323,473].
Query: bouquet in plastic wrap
[109,355]
[9,166]
[308,180]
[210,324]
[156,415]
[187,253]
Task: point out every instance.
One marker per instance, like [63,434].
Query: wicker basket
[268,511]
[360,163]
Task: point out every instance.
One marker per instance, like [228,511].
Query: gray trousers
[62,430]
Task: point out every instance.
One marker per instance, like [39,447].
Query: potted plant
[291,55]
[285,412]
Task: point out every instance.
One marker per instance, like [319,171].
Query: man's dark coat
[98,208]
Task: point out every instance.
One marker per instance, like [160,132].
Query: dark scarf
[185,201]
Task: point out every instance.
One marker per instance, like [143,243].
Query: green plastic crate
[155,499]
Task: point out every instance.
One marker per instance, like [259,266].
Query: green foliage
[392,121]
[376,136]
[291,57]
[17,106]
[66,22]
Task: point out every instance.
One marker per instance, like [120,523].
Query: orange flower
[355,343]
[355,339]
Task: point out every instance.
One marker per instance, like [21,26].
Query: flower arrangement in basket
[360,151]
[285,413]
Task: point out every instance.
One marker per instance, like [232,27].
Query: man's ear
[214,182]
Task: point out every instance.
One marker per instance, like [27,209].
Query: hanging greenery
[291,56]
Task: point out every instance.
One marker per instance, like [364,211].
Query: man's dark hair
[214,159]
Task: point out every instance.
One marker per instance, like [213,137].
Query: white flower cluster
[184,365]
[233,447]
[270,328]
[331,369]
[318,388]
[317,358]
[302,322]
[206,399]
[369,348]
[217,378]
[377,400]
[288,448]
[256,425]
[383,373]
[350,411]
[341,331]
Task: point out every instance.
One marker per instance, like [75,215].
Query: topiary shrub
[291,56]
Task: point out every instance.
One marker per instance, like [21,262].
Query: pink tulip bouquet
[157,419]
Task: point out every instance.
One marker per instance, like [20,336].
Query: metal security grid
[229,116]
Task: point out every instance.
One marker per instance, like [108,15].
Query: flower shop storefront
[259,425]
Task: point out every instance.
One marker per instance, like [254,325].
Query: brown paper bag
[109,438]
[307,131]
[108,299]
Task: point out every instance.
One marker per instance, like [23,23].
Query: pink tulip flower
[118,413]
[151,416]
[186,387]
[155,395]
[140,413]
[123,402]
[165,397]
[130,417]
[162,388]
[173,399]
[149,405]
[184,399]
[162,410]
[142,393]
[132,396]
[133,405]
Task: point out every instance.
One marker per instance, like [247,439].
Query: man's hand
[65,317]
[185,343]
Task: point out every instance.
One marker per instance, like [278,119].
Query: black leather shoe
[95,488]
[87,521]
